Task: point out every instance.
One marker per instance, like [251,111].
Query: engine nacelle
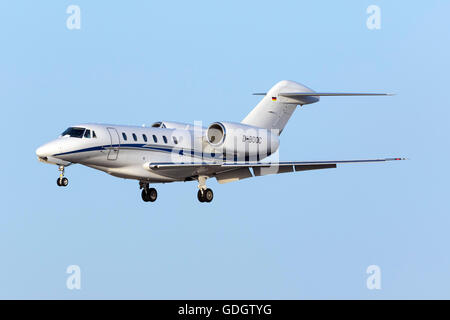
[240,142]
[172,125]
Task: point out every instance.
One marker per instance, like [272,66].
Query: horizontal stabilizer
[325,94]
[309,97]
[330,94]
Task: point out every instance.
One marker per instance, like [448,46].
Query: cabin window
[134,137]
[175,140]
[74,132]
[144,137]
[87,134]
[155,139]
[165,139]
[93,134]
[124,135]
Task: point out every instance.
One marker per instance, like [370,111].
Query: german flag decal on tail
[274,98]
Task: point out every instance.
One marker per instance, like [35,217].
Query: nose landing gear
[62,181]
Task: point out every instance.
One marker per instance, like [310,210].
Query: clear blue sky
[296,236]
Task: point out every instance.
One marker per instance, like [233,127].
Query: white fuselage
[127,151]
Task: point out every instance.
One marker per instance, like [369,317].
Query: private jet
[172,151]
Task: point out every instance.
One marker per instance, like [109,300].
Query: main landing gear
[62,181]
[148,194]
[204,194]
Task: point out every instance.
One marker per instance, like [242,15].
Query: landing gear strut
[148,194]
[62,181]
[204,194]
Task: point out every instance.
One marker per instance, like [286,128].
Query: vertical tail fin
[275,110]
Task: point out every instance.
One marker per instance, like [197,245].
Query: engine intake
[216,134]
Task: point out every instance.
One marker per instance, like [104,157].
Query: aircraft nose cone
[41,152]
[48,153]
[47,150]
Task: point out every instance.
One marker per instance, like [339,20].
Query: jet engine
[240,142]
[172,125]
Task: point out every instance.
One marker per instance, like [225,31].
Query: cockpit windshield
[74,132]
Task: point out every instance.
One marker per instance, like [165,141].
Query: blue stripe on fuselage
[140,146]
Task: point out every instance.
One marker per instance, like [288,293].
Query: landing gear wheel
[205,195]
[208,195]
[152,194]
[149,194]
[144,195]
[200,196]
[62,182]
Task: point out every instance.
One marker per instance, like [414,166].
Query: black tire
[149,195]
[200,196]
[64,182]
[58,182]
[152,194]
[144,195]
[208,195]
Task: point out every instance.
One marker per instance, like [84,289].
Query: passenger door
[115,144]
